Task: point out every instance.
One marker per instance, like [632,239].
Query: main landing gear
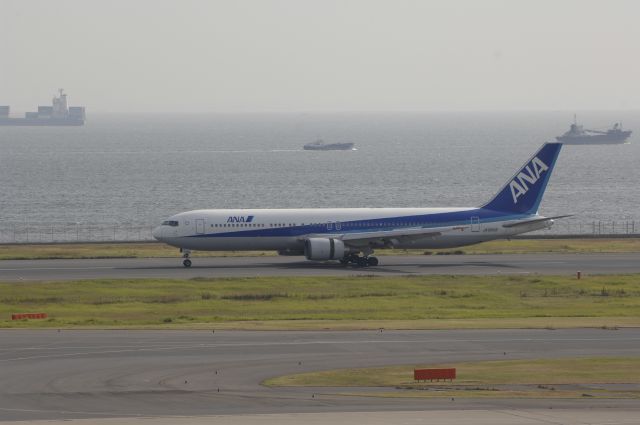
[186,254]
[364,261]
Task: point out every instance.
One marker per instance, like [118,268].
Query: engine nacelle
[321,249]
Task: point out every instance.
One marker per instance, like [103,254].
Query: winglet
[523,192]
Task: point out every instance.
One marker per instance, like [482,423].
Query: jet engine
[321,249]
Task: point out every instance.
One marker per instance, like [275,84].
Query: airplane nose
[157,233]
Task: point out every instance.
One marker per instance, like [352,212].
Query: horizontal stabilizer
[537,220]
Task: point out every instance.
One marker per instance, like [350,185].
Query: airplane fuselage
[285,229]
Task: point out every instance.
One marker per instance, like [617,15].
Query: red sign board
[431,374]
[20,316]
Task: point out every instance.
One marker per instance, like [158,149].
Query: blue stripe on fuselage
[455,218]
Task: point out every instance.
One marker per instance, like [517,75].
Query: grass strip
[416,302]
[544,372]
[540,378]
[148,250]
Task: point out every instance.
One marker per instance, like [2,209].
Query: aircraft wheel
[344,261]
[372,261]
[362,262]
[186,263]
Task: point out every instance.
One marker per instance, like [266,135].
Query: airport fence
[61,233]
[67,233]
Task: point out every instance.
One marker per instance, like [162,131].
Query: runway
[559,264]
[101,375]
[47,374]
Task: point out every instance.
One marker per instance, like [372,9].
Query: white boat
[320,145]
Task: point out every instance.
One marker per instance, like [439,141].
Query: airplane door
[475,224]
[200,226]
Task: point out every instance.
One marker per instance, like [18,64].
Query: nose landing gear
[186,254]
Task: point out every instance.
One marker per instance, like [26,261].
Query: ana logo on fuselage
[240,219]
[529,174]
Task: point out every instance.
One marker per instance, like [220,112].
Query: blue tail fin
[523,192]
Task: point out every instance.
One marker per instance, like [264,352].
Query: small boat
[320,145]
[578,135]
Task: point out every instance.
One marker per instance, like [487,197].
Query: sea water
[139,169]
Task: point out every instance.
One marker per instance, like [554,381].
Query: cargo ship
[56,114]
[320,145]
[578,135]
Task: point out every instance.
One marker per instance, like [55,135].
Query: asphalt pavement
[46,374]
[558,264]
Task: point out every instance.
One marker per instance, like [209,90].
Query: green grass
[541,378]
[330,302]
[525,246]
[146,250]
[608,370]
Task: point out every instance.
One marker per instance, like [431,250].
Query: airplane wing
[391,238]
[537,220]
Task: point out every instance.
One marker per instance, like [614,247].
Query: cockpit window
[171,223]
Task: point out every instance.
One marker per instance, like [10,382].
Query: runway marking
[265,344]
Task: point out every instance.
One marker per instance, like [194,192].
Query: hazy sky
[321,55]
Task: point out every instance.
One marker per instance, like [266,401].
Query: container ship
[56,114]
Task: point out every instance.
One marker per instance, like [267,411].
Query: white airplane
[350,235]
